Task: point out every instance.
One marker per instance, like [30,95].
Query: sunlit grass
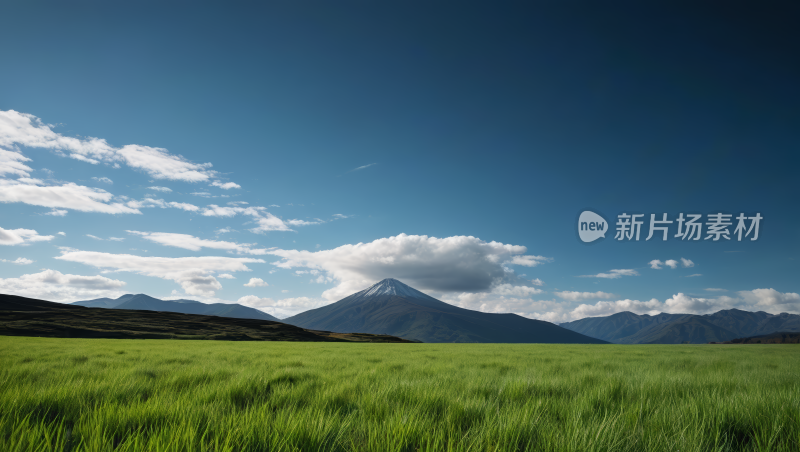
[162,395]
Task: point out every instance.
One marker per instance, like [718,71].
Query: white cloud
[281,308]
[27,130]
[361,167]
[22,236]
[338,216]
[223,231]
[53,285]
[190,242]
[656,264]
[226,185]
[194,274]
[225,276]
[67,196]
[303,222]
[515,291]
[528,261]
[614,274]
[712,289]
[268,222]
[265,220]
[62,233]
[578,296]
[104,180]
[604,308]
[256,282]
[111,239]
[768,300]
[152,202]
[18,261]
[57,213]
[11,163]
[161,189]
[452,264]
[771,300]
[694,275]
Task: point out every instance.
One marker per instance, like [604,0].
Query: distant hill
[391,307]
[20,316]
[774,338]
[630,328]
[145,302]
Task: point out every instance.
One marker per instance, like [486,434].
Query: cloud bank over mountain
[452,264]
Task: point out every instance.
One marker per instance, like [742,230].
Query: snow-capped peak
[391,286]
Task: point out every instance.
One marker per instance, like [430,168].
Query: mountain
[691,328]
[617,326]
[391,307]
[721,326]
[20,316]
[142,302]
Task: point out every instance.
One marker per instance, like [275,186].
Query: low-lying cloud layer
[194,274]
[768,300]
[452,264]
[53,285]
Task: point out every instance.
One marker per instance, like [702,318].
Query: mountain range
[629,328]
[391,307]
[142,302]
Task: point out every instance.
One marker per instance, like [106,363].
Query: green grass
[161,395]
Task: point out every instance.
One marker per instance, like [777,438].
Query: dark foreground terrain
[20,316]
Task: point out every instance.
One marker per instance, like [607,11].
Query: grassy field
[162,395]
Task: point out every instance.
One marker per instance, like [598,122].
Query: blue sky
[458,145]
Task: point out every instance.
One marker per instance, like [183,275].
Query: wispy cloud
[18,261]
[112,239]
[362,167]
[578,296]
[192,243]
[194,274]
[359,168]
[27,130]
[614,274]
[225,185]
[22,236]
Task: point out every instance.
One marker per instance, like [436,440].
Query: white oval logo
[591,226]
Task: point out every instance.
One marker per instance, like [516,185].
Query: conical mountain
[391,307]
